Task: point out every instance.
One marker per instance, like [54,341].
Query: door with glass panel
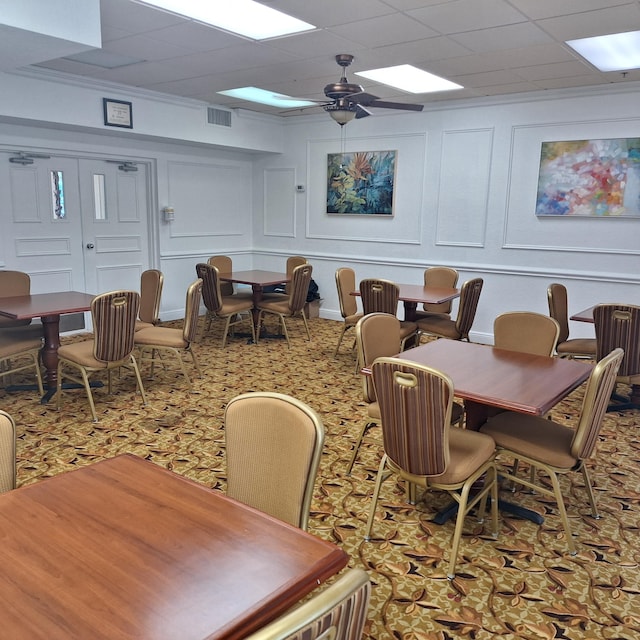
[113,198]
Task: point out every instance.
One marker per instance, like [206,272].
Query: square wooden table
[412,294]
[48,307]
[126,549]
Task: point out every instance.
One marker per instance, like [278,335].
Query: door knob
[90,245]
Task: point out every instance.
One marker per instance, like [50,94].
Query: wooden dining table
[412,294]
[124,548]
[48,307]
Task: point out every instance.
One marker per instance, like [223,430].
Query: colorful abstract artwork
[361,183]
[599,178]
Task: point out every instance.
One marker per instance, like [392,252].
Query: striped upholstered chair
[114,318]
[444,277]
[338,612]
[421,447]
[7,452]
[382,296]
[154,341]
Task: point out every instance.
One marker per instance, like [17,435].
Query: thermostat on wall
[300,188]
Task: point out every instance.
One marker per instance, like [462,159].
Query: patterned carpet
[520,586]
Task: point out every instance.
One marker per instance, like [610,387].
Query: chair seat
[439,325]
[81,353]
[407,328]
[235,304]
[427,315]
[9,345]
[352,321]
[276,306]
[141,324]
[468,451]
[162,337]
[532,436]
[580,346]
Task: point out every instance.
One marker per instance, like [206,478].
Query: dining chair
[440,277]
[345,284]
[151,282]
[338,612]
[292,263]
[458,329]
[382,296]
[557,448]
[377,336]
[526,332]
[20,351]
[14,283]
[7,452]
[421,447]
[559,311]
[233,310]
[224,264]
[293,305]
[273,445]
[113,317]
[154,341]
[618,325]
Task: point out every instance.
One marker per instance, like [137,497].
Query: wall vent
[219,117]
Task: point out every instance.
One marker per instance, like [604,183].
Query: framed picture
[361,183]
[594,178]
[117,113]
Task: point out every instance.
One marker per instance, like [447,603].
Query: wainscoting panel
[279,202]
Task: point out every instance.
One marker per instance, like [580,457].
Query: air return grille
[219,117]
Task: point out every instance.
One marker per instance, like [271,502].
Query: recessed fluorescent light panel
[253,94]
[615,52]
[409,78]
[244,17]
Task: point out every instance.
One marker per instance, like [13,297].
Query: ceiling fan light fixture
[341,113]
[409,78]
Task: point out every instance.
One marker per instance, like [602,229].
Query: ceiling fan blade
[395,105]
[361,112]
[362,97]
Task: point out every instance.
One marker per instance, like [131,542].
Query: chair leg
[590,493]
[134,364]
[344,328]
[196,364]
[306,325]
[563,511]
[457,534]
[225,331]
[356,448]
[382,476]
[284,330]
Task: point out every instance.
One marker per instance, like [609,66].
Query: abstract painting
[599,178]
[361,183]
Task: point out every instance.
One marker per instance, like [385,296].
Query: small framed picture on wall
[117,113]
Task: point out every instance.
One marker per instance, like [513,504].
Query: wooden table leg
[410,309]
[49,353]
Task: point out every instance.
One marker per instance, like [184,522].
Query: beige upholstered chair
[381,296]
[113,317]
[14,283]
[20,352]
[444,277]
[7,452]
[292,263]
[338,612]
[234,310]
[458,329]
[273,446]
[558,310]
[345,284]
[151,282]
[224,264]
[377,336]
[618,325]
[557,448]
[153,341]
[527,332]
[422,448]
[293,304]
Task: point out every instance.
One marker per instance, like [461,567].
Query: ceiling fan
[349,101]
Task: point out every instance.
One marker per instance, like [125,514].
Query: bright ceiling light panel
[615,52]
[409,78]
[244,17]
[254,94]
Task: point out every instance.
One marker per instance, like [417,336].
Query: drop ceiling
[491,47]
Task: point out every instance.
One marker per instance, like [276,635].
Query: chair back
[559,308]
[345,284]
[292,263]
[442,277]
[192,311]
[415,410]
[151,282]
[469,297]
[377,336]
[14,283]
[225,265]
[273,446]
[114,320]
[211,293]
[594,405]
[7,452]
[527,332]
[379,296]
[339,612]
[618,325]
[299,287]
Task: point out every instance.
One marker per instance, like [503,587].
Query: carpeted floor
[521,586]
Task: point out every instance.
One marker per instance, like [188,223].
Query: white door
[113,197]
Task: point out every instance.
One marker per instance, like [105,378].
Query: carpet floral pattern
[523,585]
